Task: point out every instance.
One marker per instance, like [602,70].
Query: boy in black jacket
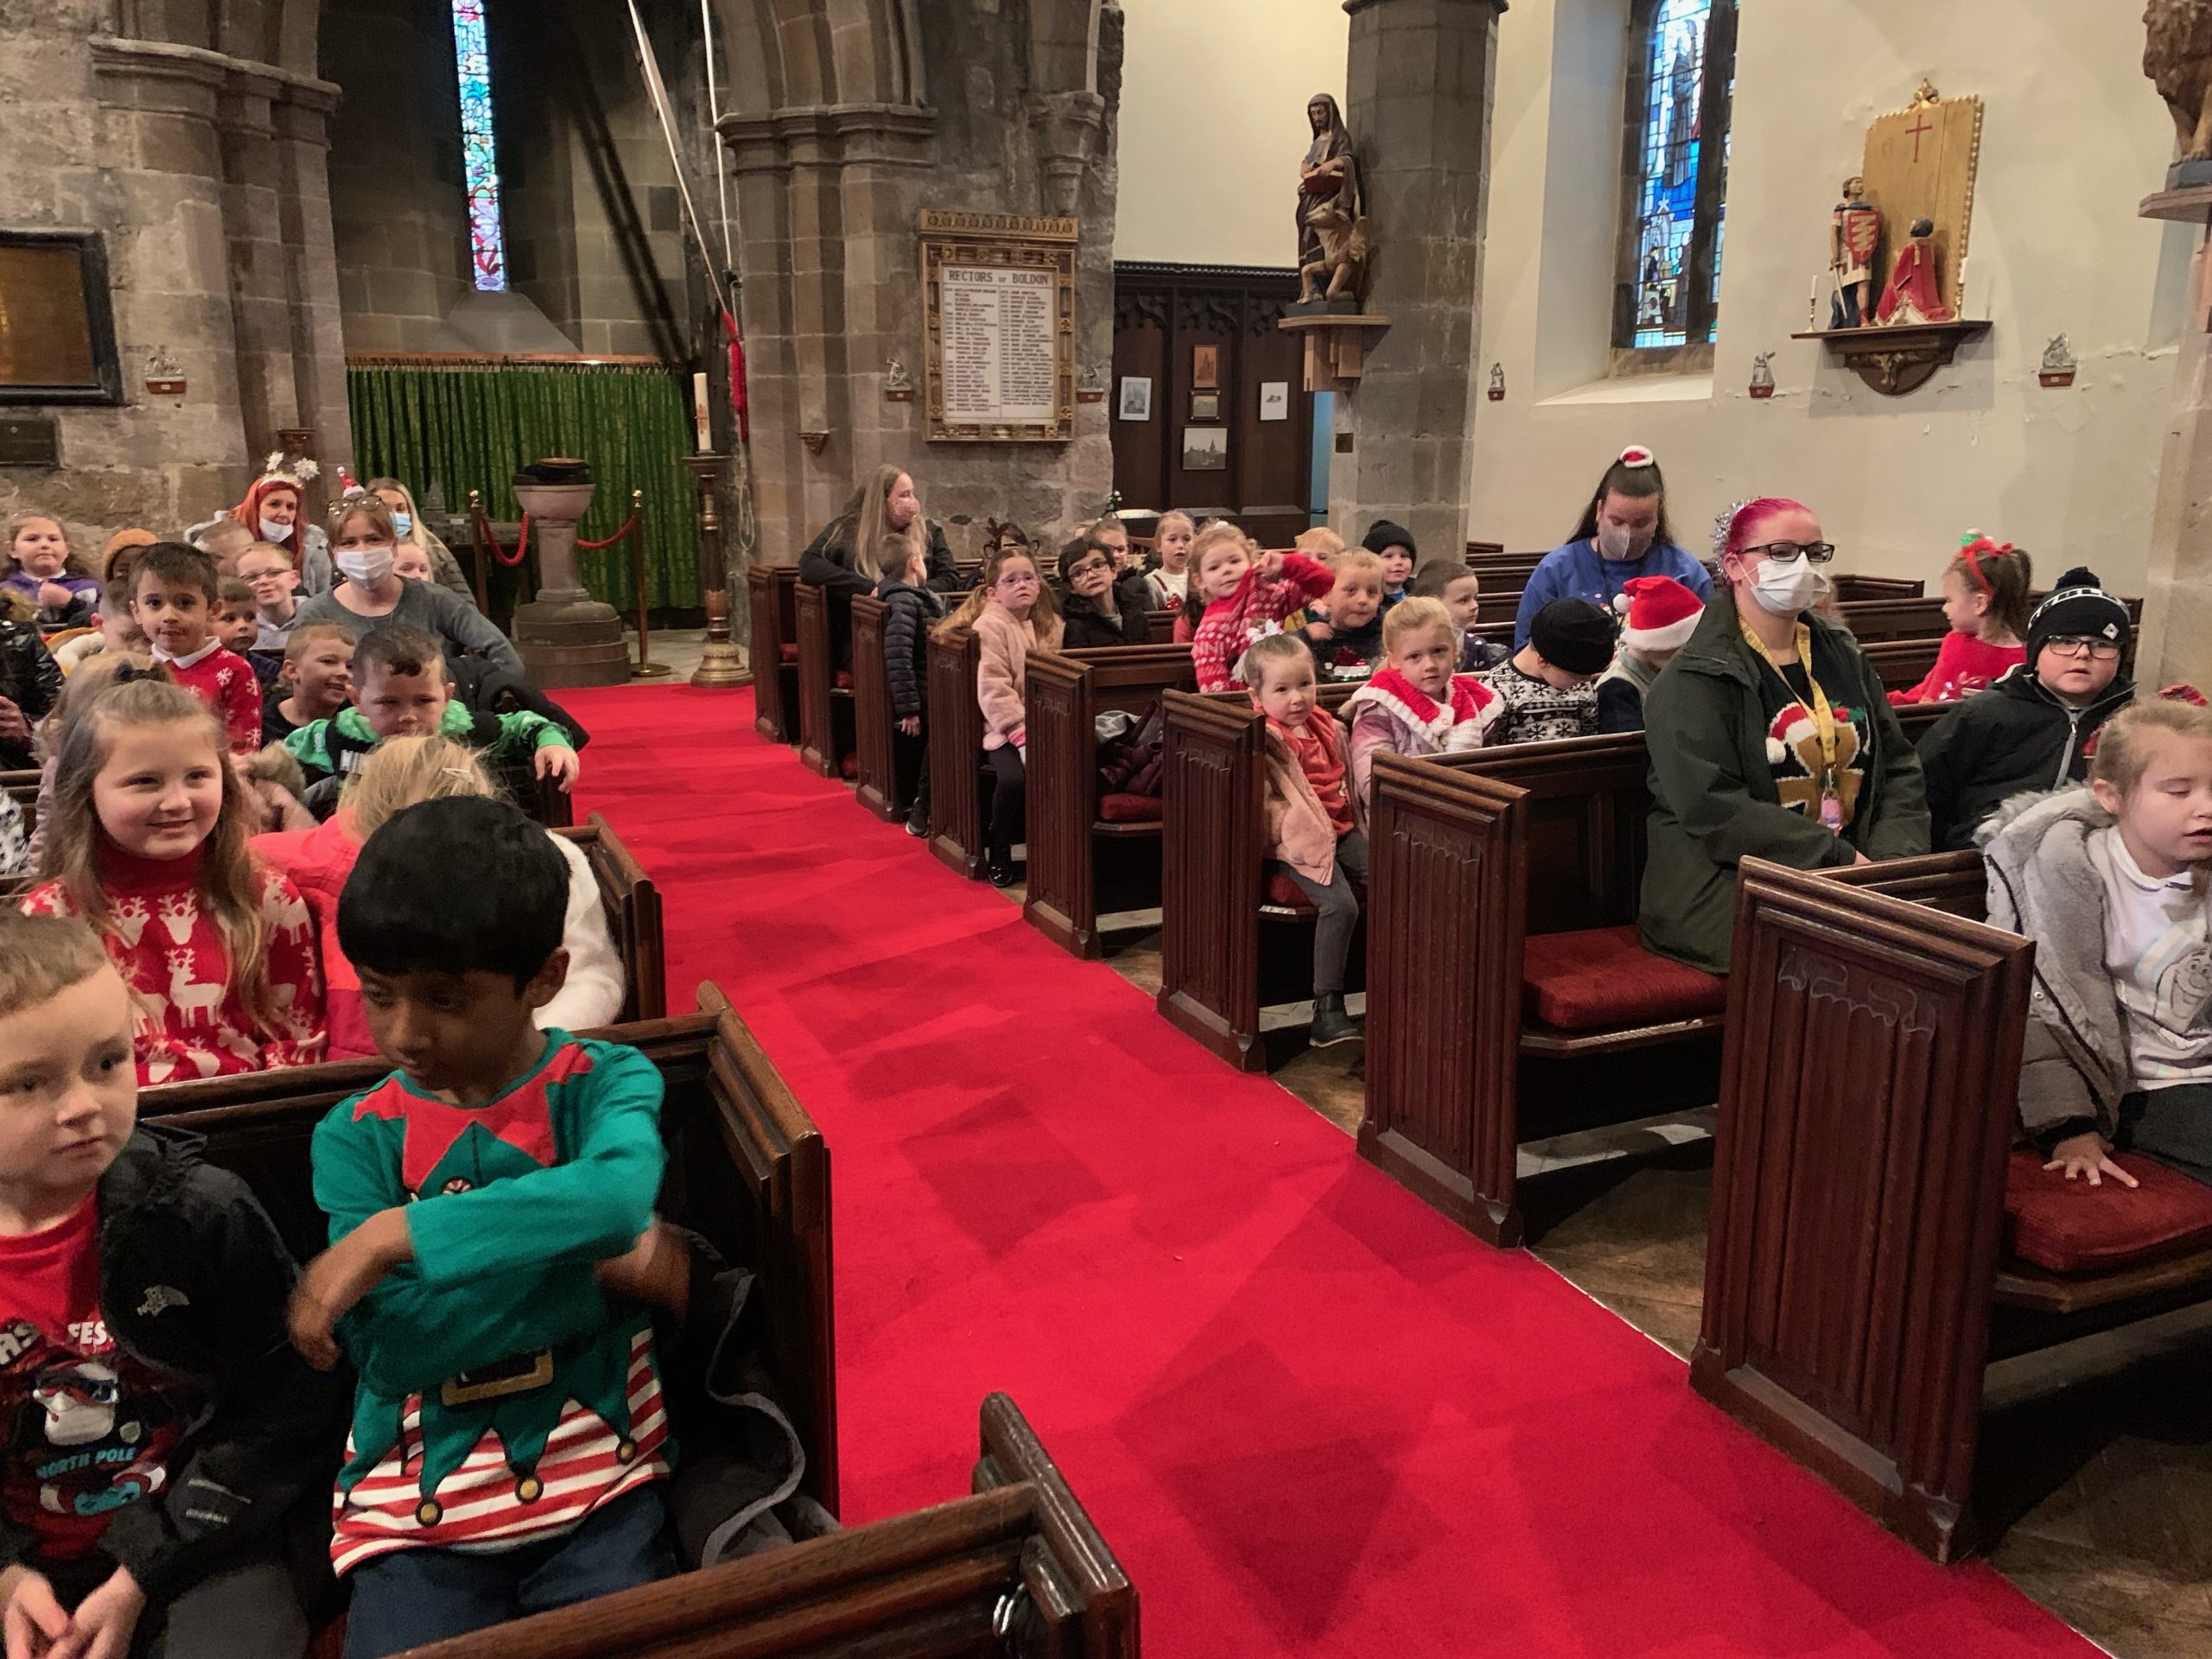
[2036,727]
[158,1423]
[911,608]
[1100,608]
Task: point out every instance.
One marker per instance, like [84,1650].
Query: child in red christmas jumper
[147,842]
[1247,594]
[175,594]
[158,1426]
[1315,826]
[1658,616]
[1986,602]
[1414,704]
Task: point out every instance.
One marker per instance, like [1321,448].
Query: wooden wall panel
[1162,312]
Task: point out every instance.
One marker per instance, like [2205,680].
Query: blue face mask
[403,523]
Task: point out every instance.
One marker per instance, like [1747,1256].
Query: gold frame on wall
[1007,241]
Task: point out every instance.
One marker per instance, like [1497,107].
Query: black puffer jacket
[194,1281]
[908,613]
[2013,738]
[1086,624]
[29,679]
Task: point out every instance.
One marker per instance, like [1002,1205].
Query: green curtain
[469,428]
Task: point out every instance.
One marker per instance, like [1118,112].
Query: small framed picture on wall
[1206,368]
[1275,400]
[1205,448]
[1136,398]
[1205,405]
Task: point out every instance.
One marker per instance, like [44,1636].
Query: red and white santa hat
[1660,614]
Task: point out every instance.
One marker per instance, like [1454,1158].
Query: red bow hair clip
[1971,546]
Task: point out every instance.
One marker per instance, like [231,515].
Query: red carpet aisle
[1312,1417]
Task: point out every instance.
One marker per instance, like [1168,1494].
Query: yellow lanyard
[1822,715]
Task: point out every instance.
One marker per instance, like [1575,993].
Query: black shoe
[1332,1025]
[918,825]
[1002,871]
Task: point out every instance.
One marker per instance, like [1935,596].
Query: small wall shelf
[1900,357]
[1336,345]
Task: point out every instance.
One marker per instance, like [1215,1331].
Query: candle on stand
[1813,307]
[1962,288]
[700,417]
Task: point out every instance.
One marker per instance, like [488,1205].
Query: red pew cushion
[1283,889]
[789,653]
[845,680]
[1129,809]
[1603,977]
[2072,1227]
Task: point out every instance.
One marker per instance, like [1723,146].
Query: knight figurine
[1854,240]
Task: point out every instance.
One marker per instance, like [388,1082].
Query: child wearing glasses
[2036,727]
[1099,610]
[1011,613]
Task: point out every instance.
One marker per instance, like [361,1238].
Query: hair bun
[1637,456]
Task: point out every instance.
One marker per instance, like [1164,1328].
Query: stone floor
[2100,1455]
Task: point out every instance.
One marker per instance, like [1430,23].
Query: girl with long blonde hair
[1012,612]
[147,844]
[856,549]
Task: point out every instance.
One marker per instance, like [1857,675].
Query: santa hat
[1661,614]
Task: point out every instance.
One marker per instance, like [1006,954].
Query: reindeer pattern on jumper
[189,1019]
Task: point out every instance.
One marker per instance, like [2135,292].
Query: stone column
[1418,103]
[2176,642]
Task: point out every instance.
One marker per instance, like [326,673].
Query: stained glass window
[1677,178]
[479,158]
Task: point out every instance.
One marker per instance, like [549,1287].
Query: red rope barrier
[486,538]
[627,530]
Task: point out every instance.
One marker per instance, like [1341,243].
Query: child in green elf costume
[493,1250]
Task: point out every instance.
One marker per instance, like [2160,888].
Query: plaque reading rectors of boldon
[998,357]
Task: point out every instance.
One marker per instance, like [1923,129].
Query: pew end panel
[1015,1568]
[771,591]
[873,721]
[825,709]
[1213,797]
[1851,585]
[1445,860]
[1080,867]
[1869,1079]
[633,905]
[957,815]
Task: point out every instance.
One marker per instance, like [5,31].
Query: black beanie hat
[1573,634]
[2078,606]
[1382,533]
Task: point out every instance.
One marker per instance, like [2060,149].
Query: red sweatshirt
[225,682]
[1964,665]
[1257,608]
[190,1022]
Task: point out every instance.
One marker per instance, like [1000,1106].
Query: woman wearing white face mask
[1770,737]
[445,570]
[369,595]
[1623,534]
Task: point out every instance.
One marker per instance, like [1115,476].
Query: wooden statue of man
[1854,238]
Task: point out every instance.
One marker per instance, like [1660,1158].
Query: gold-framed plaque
[998,307]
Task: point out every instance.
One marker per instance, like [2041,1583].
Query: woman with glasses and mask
[2036,728]
[1623,534]
[1770,737]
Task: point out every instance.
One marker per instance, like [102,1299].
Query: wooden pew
[1505,887]
[1851,585]
[1859,1276]
[1082,864]
[1216,897]
[825,691]
[873,721]
[958,814]
[747,1169]
[1902,663]
[633,918]
[772,591]
[1016,1568]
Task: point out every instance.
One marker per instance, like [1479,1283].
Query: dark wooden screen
[1161,312]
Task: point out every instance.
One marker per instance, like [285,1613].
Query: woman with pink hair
[1770,737]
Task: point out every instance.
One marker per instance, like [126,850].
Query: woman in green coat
[1771,738]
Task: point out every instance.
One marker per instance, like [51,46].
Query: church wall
[2074,136]
[1213,122]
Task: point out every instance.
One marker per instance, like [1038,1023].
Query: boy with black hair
[2036,727]
[157,1425]
[509,1437]
[401,688]
[1100,608]
[1393,545]
[174,596]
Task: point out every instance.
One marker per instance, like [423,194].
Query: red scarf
[1320,756]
